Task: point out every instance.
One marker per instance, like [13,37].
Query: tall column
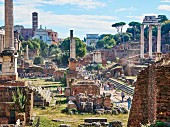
[27,57]
[9,26]
[142,42]
[150,41]
[72,45]
[1,42]
[159,39]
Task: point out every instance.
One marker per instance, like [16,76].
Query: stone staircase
[121,86]
[42,97]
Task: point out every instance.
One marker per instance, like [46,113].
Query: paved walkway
[116,97]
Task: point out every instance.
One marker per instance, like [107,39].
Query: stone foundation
[8,77]
[7,89]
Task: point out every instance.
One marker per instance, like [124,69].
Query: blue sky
[84,16]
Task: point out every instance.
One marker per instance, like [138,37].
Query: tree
[127,37]
[38,60]
[55,51]
[64,58]
[162,18]
[100,44]
[119,27]
[106,40]
[135,26]
[80,46]
[90,48]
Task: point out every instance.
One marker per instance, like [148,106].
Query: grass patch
[50,113]
[40,82]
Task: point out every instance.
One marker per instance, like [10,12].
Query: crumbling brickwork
[151,100]
[86,87]
[7,104]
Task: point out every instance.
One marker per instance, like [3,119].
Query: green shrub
[115,112]
[124,110]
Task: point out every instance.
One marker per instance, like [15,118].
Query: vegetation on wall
[20,100]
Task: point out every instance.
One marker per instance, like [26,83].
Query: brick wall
[86,89]
[7,104]
[151,100]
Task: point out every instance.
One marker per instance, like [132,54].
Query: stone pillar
[16,44]
[1,42]
[142,42]
[159,39]
[9,59]
[93,57]
[9,26]
[150,41]
[27,57]
[72,45]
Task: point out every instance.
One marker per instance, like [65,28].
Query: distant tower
[34,21]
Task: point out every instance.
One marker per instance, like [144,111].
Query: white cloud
[81,23]
[164,7]
[141,17]
[125,9]
[88,4]
[165,1]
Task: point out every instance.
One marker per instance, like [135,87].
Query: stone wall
[151,100]
[7,104]
[86,89]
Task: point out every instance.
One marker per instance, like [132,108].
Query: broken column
[72,73]
[142,42]
[150,41]
[72,45]
[27,56]
[159,39]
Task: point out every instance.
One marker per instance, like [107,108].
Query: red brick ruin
[151,100]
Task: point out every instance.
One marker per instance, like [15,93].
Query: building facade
[92,39]
[18,28]
[54,36]
[46,35]
[42,34]
[27,33]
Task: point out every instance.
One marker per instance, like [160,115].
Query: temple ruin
[150,21]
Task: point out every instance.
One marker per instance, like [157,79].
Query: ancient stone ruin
[16,99]
[151,100]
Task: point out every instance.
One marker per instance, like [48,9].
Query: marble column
[150,41]
[142,42]
[9,26]
[159,39]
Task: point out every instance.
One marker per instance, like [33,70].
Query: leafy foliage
[106,41]
[163,18]
[94,67]
[80,46]
[135,28]
[38,60]
[20,99]
[36,44]
[119,26]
